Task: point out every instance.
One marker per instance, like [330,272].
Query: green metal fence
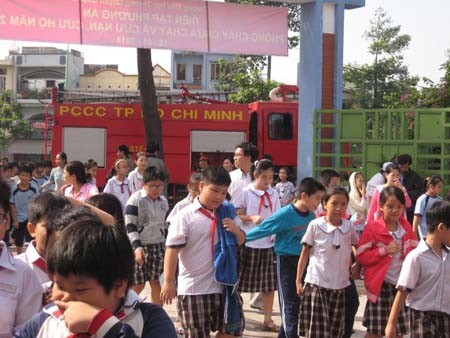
[360,140]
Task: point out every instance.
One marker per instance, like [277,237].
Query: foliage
[432,95]
[385,83]
[12,123]
[242,76]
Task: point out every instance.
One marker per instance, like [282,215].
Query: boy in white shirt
[20,290]
[424,280]
[191,240]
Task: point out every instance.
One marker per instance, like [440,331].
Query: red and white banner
[167,24]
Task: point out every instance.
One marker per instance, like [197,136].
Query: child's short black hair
[335,191]
[216,175]
[25,169]
[152,174]
[44,204]
[195,178]
[259,166]
[5,194]
[326,176]
[309,186]
[110,204]
[392,191]
[438,213]
[89,248]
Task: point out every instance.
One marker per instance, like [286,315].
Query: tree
[152,120]
[243,76]
[432,95]
[12,123]
[384,82]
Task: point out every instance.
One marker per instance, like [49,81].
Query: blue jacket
[289,225]
[225,270]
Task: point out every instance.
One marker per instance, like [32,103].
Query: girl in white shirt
[118,185]
[257,272]
[285,188]
[327,245]
[135,177]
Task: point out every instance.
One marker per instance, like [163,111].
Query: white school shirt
[32,258]
[190,231]
[119,189]
[239,181]
[249,201]
[136,182]
[426,276]
[177,207]
[395,267]
[20,292]
[330,256]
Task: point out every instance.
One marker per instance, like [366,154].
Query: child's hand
[390,331]
[355,271]
[299,288]
[16,224]
[77,315]
[393,247]
[168,292]
[230,226]
[256,219]
[139,256]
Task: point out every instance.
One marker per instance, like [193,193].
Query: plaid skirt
[427,324]
[153,263]
[322,312]
[202,314]
[376,314]
[257,272]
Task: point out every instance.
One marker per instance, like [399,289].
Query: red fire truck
[95,130]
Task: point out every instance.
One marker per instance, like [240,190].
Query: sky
[425,21]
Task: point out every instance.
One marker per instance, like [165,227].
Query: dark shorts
[202,314]
[257,271]
[376,314]
[153,264]
[427,324]
[322,312]
[21,234]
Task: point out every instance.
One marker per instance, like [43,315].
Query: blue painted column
[309,83]
[310,72]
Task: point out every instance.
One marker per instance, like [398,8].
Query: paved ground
[254,318]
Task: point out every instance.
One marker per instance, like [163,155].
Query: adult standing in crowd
[56,178]
[411,181]
[245,154]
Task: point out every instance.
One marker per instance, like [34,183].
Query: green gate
[360,140]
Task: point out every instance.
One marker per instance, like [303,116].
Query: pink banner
[43,20]
[179,24]
[247,29]
[156,24]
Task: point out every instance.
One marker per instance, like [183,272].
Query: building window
[197,73]
[181,72]
[2,78]
[50,83]
[214,71]
[280,126]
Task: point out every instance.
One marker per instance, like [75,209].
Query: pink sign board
[247,29]
[43,20]
[158,24]
[179,24]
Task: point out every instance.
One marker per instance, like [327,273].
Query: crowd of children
[89,255]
